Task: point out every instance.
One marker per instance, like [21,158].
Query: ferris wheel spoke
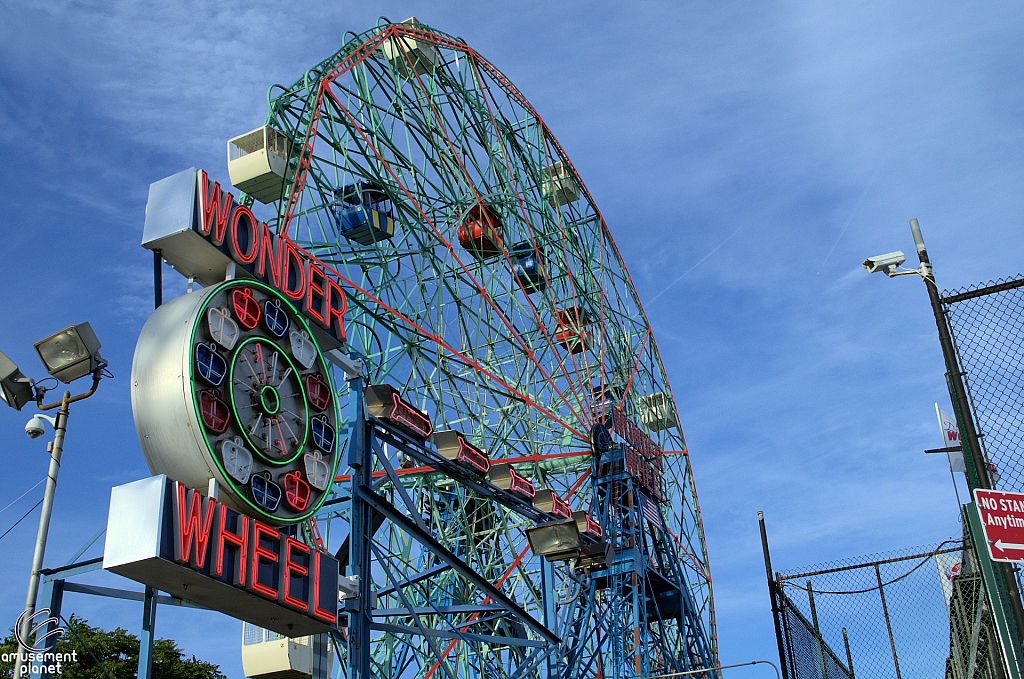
[519,196]
[452,253]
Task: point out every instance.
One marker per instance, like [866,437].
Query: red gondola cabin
[571,333]
[480,233]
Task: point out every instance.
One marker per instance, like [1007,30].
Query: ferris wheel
[485,289]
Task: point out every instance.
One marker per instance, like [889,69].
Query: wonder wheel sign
[229,384]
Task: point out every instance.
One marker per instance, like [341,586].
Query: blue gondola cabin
[480,232]
[571,332]
[528,266]
[606,397]
[364,213]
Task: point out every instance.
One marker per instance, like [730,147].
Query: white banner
[950,439]
[948,565]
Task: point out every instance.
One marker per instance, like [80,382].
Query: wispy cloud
[692,268]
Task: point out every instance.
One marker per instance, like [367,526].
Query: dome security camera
[36,427]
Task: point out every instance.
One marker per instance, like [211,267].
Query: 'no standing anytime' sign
[1002,519]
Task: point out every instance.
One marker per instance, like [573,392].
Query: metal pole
[888,624]
[56,447]
[773,595]
[146,638]
[966,419]
[321,664]
[949,356]
[849,658]
[360,616]
[158,279]
[786,628]
[53,592]
[549,599]
[817,630]
[720,667]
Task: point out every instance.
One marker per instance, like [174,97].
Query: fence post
[817,631]
[974,459]
[773,594]
[849,658]
[784,606]
[888,623]
[1011,651]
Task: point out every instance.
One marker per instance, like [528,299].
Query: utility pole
[56,448]
[975,461]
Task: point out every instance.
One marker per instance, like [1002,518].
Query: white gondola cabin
[258,163]
[656,411]
[559,185]
[410,55]
[269,655]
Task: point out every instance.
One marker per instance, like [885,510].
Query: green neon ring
[302,392]
[240,492]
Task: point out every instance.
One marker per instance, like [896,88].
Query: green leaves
[118,651]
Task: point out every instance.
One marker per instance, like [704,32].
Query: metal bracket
[352,367]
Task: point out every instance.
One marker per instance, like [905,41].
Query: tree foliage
[118,651]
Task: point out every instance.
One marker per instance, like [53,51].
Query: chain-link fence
[987,325]
[909,614]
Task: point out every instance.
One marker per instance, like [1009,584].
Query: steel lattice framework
[419,117]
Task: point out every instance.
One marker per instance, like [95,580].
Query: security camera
[886,263]
[36,427]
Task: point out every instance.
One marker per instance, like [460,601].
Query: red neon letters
[301,277]
[293,568]
[192,526]
[234,549]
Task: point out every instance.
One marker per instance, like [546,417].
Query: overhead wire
[21,519]
[13,502]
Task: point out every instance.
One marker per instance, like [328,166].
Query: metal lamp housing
[71,353]
[555,540]
[15,388]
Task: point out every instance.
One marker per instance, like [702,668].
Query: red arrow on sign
[1002,520]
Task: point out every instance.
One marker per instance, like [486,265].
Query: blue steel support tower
[633,614]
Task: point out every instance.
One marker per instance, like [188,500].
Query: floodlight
[71,353]
[596,557]
[555,540]
[15,388]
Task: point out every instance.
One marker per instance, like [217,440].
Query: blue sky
[747,157]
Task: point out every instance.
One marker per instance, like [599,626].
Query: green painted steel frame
[460,336]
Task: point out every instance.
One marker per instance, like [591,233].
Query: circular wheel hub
[269,401]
